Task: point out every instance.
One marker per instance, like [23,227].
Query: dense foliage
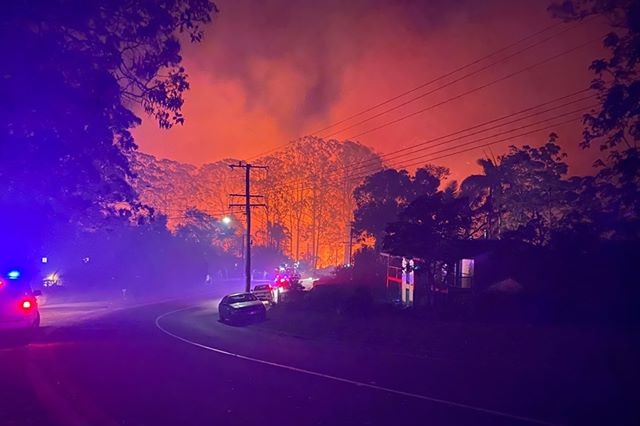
[74,75]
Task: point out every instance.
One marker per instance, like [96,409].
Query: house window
[466,273]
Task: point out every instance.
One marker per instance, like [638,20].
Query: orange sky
[271,71]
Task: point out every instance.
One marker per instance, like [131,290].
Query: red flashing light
[26,305]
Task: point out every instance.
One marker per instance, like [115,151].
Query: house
[457,269]
[402,272]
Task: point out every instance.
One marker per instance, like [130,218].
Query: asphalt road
[173,363]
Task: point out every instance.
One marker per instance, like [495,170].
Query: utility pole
[349,245]
[247,206]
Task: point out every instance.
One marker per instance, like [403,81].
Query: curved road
[174,364]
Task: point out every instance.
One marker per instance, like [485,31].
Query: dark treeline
[73,75]
[574,261]
[573,242]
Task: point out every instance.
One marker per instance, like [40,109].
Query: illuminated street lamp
[226,220]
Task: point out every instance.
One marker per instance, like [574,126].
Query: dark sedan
[239,307]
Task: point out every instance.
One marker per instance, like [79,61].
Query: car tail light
[26,305]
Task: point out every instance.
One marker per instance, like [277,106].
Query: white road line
[341,379]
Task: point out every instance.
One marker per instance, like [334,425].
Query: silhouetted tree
[385,194]
[485,194]
[379,201]
[615,126]
[522,194]
[73,73]
[427,222]
[278,234]
[426,229]
[535,191]
[203,229]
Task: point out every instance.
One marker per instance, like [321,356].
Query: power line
[509,138]
[476,89]
[409,151]
[443,76]
[397,153]
[552,126]
[365,173]
[427,160]
[576,111]
[492,121]
[457,80]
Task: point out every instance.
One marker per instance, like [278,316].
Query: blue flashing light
[13,275]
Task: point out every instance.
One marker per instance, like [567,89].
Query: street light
[226,220]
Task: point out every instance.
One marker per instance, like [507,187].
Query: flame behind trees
[308,190]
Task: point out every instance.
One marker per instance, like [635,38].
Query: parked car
[239,307]
[18,304]
[263,292]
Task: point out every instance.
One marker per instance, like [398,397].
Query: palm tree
[485,193]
